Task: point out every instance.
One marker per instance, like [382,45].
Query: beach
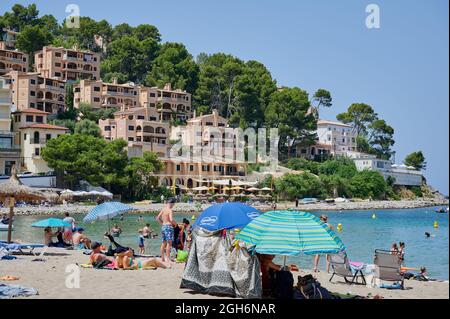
[193,207]
[49,278]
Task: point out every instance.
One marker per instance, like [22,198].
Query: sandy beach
[192,208]
[49,278]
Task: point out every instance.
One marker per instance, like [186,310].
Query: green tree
[342,167]
[32,39]
[335,185]
[359,115]
[86,111]
[115,161]
[416,160]
[141,172]
[65,122]
[322,98]
[21,16]
[175,65]
[368,184]
[87,127]
[292,186]
[301,164]
[381,139]
[288,111]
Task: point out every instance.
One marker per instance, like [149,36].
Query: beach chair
[342,268]
[388,267]
[24,249]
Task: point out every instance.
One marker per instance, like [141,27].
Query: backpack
[309,288]
[282,284]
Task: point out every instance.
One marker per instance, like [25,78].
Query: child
[141,242]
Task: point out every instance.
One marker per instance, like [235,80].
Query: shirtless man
[165,218]
[97,257]
[80,241]
[48,235]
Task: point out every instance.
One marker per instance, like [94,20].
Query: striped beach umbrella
[290,233]
[106,211]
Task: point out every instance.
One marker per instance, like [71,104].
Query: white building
[403,175]
[334,138]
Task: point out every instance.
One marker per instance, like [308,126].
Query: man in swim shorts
[165,218]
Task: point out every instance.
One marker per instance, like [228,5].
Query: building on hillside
[9,152]
[205,152]
[105,95]
[67,64]
[170,104]
[12,60]
[8,39]
[138,127]
[33,91]
[403,175]
[334,138]
[32,133]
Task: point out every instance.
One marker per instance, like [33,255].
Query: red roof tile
[31,111]
[45,126]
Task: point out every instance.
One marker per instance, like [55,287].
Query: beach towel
[10,291]
[213,268]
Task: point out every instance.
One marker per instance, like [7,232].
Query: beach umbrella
[290,233]
[51,222]
[13,190]
[226,216]
[253,189]
[106,211]
[266,189]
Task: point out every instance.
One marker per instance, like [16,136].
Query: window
[96,99]
[39,119]
[77,90]
[57,64]
[29,118]
[57,54]
[37,151]
[108,128]
[152,95]
[131,139]
[141,117]
[130,117]
[152,104]
[32,81]
[48,137]
[32,105]
[178,167]
[152,118]
[57,74]
[191,168]
[96,89]
[32,93]
[130,128]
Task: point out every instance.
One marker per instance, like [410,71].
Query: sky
[401,68]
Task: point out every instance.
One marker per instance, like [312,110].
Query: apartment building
[8,39]
[67,64]
[205,151]
[334,138]
[138,127]
[12,60]
[169,104]
[106,95]
[32,133]
[9,152]
[33,91]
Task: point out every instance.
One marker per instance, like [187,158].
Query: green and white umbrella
[290,233]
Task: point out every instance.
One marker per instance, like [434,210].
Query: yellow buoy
[339,227]
[193,217]
[374,216]
[435,224]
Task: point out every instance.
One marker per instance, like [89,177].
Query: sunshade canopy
[51,222]
[107,210]
[290,233]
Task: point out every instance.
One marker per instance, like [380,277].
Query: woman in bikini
[126,260]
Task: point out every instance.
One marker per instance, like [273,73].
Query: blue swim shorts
[167,233]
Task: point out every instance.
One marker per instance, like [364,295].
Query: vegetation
[416,160]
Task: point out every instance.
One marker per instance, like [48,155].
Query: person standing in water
[324,219]
[165,219]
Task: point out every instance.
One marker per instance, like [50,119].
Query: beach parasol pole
[11,201]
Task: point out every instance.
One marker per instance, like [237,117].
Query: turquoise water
[361,235]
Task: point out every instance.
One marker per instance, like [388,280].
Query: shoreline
[49,276]
[187,208]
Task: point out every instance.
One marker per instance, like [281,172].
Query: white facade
[341,137]
[403,176]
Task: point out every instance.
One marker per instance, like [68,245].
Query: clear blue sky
[400,69]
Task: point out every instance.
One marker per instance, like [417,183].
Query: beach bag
[283,284]
[182,256]
[309,288]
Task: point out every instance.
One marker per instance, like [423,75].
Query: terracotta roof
[31,111]
[45,126]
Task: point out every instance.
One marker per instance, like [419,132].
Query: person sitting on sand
[48,235]
[99,259]
[126,260]
[267,264]
[80,241]
[116,231]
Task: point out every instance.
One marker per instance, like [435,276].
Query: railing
[41,141]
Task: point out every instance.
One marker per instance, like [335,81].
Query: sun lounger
[23,249]
[388,267]
[342,268]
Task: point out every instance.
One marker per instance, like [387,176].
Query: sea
[362,232]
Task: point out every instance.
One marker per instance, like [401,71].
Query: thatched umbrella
[14,190]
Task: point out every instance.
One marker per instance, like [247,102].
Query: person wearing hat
[80,240]
[165,219]
[98,259]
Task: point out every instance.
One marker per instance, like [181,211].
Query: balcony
[38,141]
